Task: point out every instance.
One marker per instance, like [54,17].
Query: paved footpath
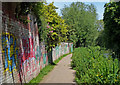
[62,72]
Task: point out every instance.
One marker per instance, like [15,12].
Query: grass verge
[46,70]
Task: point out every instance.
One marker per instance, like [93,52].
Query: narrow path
[62,72]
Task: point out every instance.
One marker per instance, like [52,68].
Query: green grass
[56,61]
[46,70]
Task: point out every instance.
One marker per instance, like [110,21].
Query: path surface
[62,72]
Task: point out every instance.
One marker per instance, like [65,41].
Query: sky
[99,4]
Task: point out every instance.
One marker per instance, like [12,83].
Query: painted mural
[60,50]
[23,56]
[9,52]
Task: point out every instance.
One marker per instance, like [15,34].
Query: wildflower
[97,74]
[48,26]
[101,76]
[51,32]
[48,22]
[51,27]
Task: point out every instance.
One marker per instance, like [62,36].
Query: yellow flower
[101,76]
[115,80]
[97,74]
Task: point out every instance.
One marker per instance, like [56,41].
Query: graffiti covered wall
[22,56]
[61,49]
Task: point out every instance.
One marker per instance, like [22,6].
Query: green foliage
[36,9]
[112,26]
[94,65]
[57,27]
[42,73]
[51,26]
[56,61]
[100,33]
[81,19]
[100,25]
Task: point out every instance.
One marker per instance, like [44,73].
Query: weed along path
[62,72]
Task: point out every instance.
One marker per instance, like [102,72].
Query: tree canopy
[112,26]
[81,19]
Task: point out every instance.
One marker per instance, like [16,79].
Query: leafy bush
[111,32]
[93,66]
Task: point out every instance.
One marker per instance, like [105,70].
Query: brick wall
[22,56]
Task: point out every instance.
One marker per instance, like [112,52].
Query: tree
[112,26]
[100,33]
[81,19]
[57,29]
[51,26]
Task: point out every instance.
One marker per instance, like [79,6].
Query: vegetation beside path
[46,70]
[95,65]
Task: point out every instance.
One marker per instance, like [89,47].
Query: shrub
[93,66]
